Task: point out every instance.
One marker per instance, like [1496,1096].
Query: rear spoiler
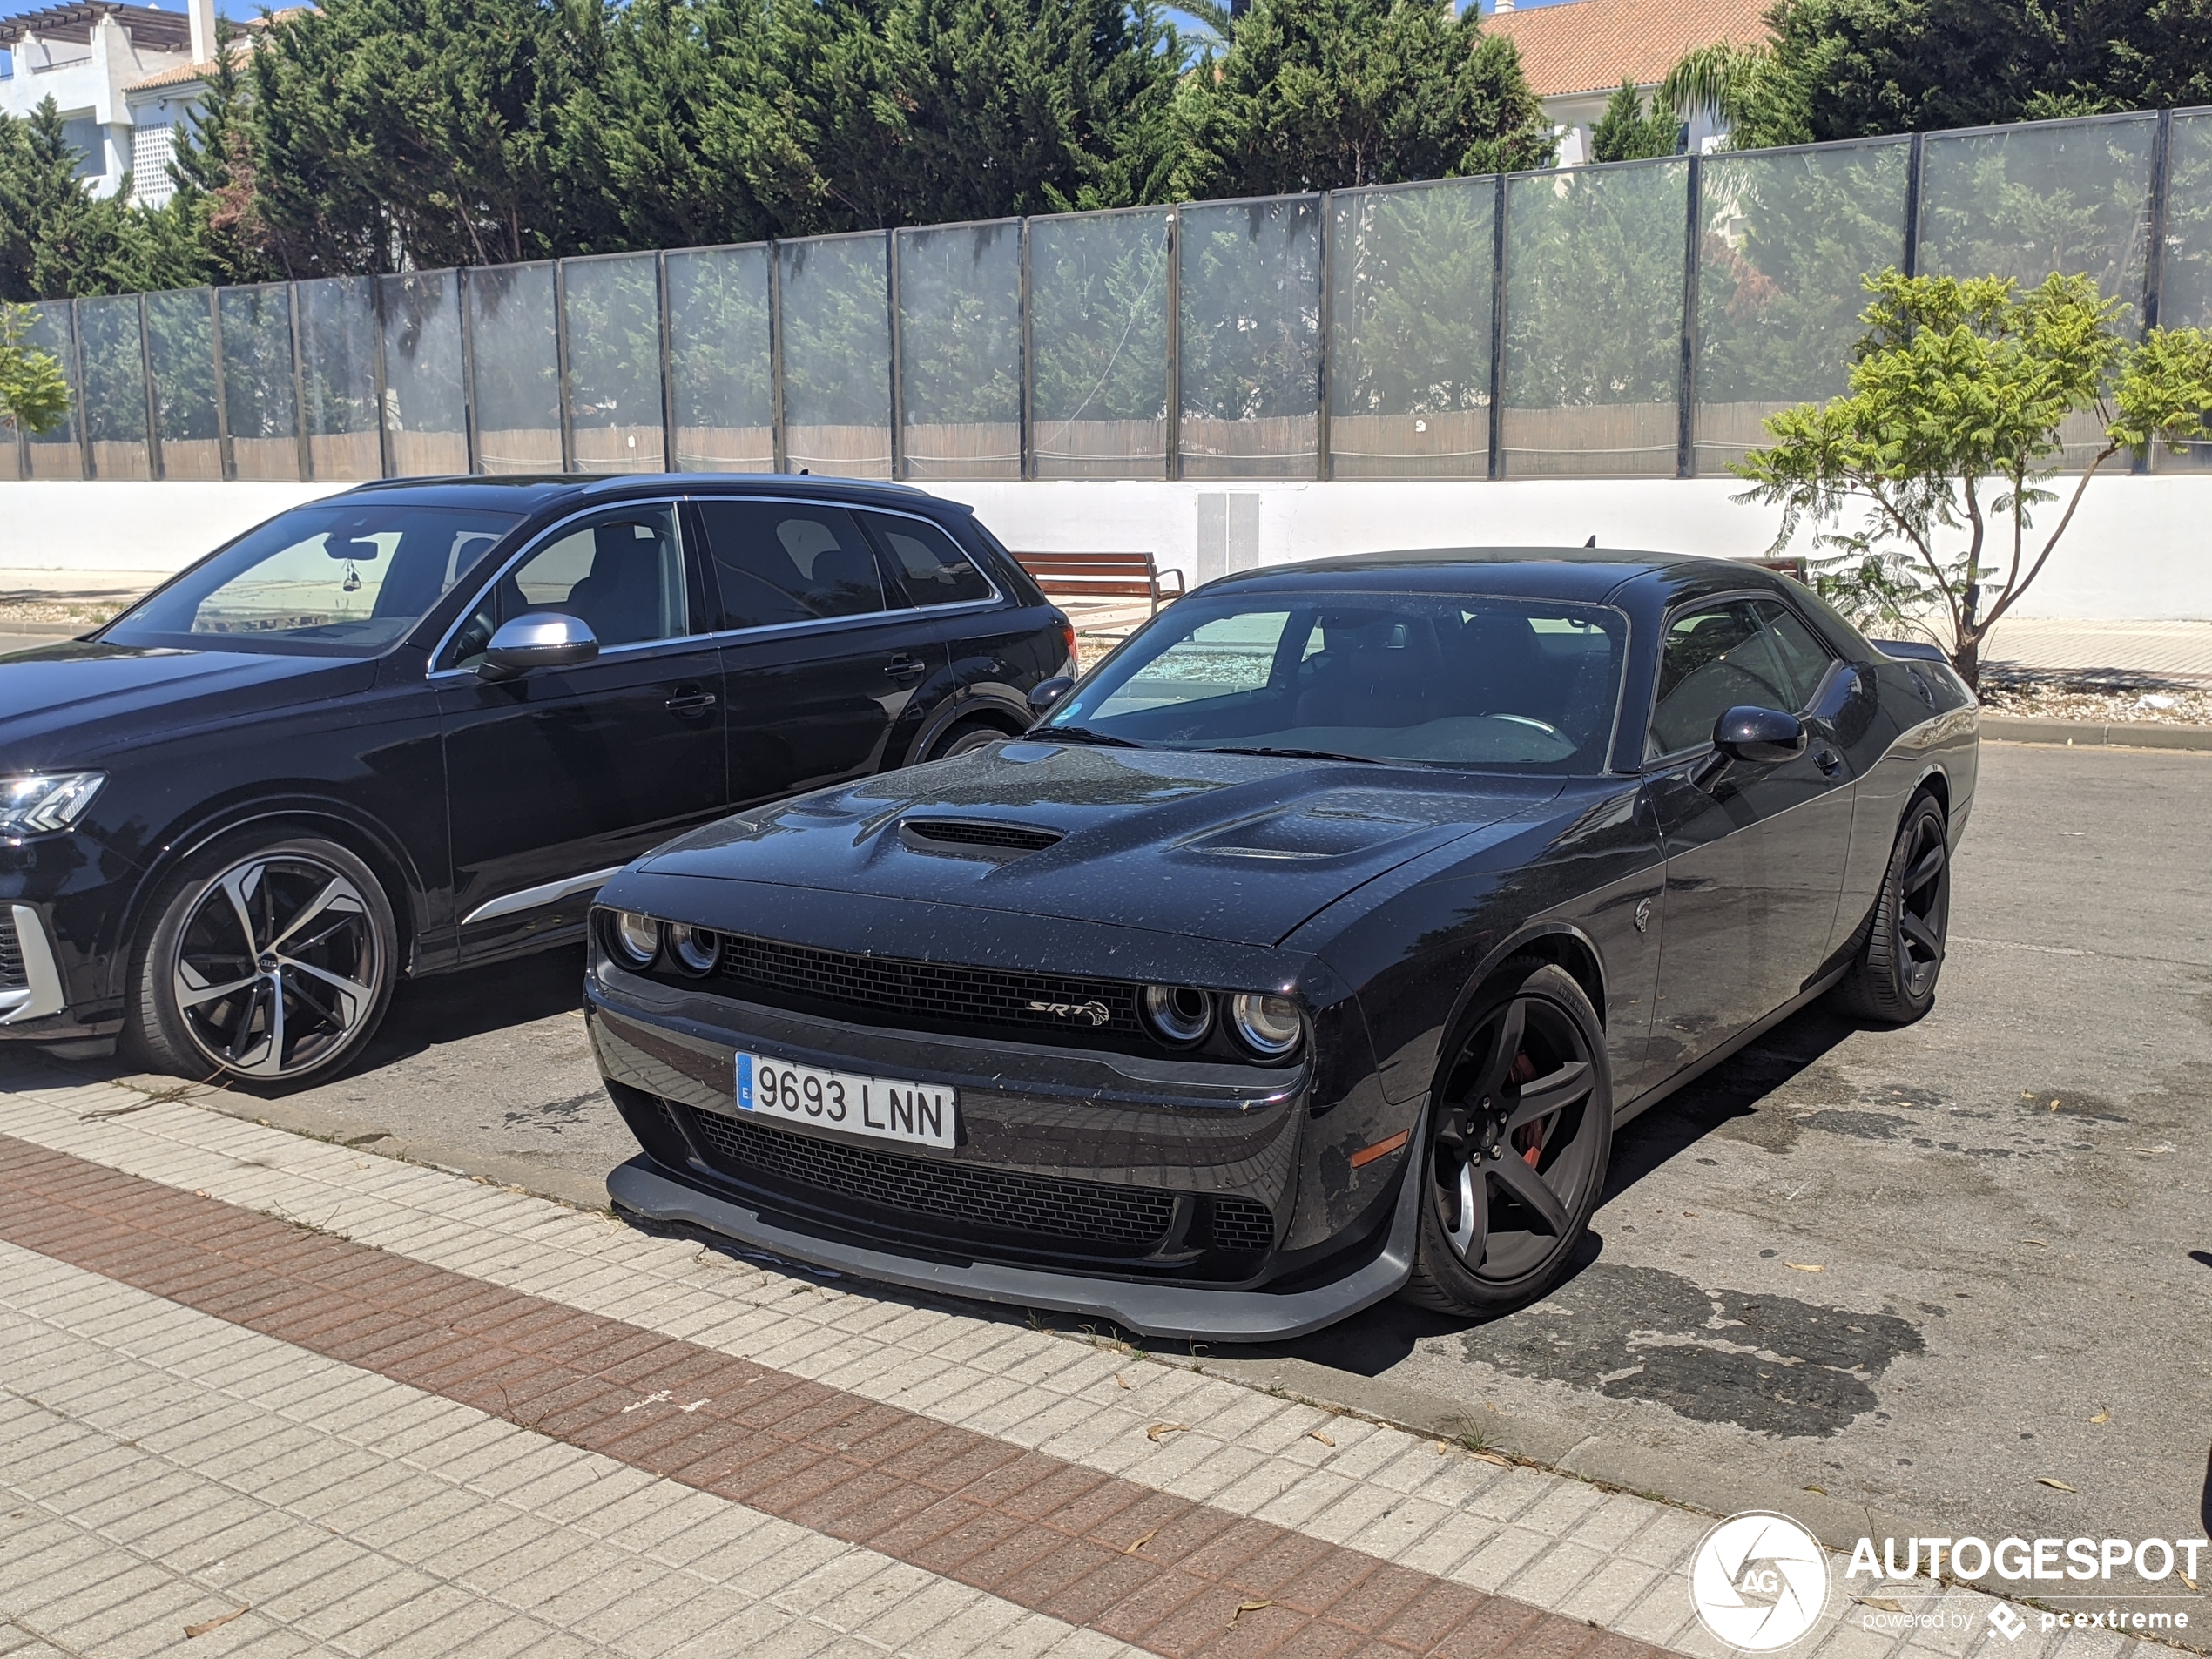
[1915,650]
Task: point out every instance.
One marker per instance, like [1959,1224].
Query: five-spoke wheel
[270,963]
[1521,1128]
[1894,978]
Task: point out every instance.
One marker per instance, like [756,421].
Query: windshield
[1519,684]
[346,578]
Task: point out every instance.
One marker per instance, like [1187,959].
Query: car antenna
[1591,543]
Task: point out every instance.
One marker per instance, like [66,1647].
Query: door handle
[1829,761]
[903,667]
[693,702]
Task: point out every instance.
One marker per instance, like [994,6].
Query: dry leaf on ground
[215,1623]
[1160,1431]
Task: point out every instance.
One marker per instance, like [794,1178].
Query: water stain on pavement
[1764,1362]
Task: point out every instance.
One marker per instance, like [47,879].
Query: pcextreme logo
[1759,1581]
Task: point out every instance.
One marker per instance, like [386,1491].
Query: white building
[123,76]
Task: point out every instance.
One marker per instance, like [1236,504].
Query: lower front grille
[1242,1224]
[994,1200]
[12,978]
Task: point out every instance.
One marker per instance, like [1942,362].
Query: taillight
[1068,642]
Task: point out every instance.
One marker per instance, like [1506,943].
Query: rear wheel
[1894,978]
[964,737]
[270,962]
[1520,1137]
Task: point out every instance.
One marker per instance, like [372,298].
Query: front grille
[960,833]
[930,990]
[994,1199]
[1242,1223]
[13,977]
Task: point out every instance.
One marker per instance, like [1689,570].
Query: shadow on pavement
[452,1008]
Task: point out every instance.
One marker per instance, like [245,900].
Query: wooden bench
[1102,576]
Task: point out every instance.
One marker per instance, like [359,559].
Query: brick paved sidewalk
[358,1405]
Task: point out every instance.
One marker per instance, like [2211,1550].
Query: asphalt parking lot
[1959,1275]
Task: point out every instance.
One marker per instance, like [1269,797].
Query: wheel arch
[997,703]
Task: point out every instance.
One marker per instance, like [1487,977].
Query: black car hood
[1234,847]
[67,703]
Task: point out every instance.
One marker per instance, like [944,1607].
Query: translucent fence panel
[959,350]
[180,343]
[113,353]
[12,459]
[1411,270]
[720,360]
[2026,201]
[1098,330]
[338,376]
[1785,239]
[614,362]
[260,395]
[1593,348]
[515,354]
[1250,339]
[58,452]
[837,355]
[426,407]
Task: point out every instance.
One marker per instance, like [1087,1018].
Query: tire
[965,736]
[1894,978]
[1525,1074]
[315,971]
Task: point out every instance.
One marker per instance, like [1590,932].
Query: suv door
[1755,862]
[559,778]
[822,657]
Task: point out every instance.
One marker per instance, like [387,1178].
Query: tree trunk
[1966,659]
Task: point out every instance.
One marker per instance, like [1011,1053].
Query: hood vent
[975,839]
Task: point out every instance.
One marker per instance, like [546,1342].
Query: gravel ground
[2058,697]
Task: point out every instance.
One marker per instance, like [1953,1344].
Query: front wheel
[270,963]
[1519,1135]
[1894,978]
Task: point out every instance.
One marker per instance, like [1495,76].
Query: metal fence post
[2154,248]
[1498,332]
[667,365]
[780,432]
[472,442]
[378,379]
[1322,467]
[154,396]
[76,370]
[1026,360]
[299,386]
[227,459]
[1686,383]
[560,363]
[898,356]
[1174,468]
[1912,206]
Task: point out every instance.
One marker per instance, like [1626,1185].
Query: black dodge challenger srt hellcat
[1311,949]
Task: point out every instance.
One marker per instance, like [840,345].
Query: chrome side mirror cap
[542,639]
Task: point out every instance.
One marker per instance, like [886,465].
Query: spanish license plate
[920,1113]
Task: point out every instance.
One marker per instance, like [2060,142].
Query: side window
[1713,659]
[620,572]
[1803,658]
[935,571]
[777,562]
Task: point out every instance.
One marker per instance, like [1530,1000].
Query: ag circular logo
[1759,1581]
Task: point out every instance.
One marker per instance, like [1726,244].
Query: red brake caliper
[1528,1139]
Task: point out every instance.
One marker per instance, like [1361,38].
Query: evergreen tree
[55,236]
[1628,133]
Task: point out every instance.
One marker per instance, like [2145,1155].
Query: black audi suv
[412,727]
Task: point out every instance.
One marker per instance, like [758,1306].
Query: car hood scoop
[1237,847]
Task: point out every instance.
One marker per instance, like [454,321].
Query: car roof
[1585,574]
[528,492]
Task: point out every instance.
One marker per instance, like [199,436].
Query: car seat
[620,600]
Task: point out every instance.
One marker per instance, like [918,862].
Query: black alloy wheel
[1894,978]
[1521,1134]
[269,965]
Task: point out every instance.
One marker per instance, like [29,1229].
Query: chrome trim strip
[45,994]
[544,894]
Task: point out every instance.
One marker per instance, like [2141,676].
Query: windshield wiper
[1082,734]
[1295,754]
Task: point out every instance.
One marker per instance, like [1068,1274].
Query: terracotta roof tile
[1589,45]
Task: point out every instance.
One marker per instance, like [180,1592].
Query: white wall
[2138,548]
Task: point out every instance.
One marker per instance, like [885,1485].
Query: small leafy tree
[1923,480]
[33,394]
[1628,133]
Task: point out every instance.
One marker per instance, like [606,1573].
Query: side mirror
[543,639]
[1045,693]
[1759,737]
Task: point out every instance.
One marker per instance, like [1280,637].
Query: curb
[2117,734]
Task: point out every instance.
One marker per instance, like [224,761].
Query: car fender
[989,697]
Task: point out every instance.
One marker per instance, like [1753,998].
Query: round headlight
[635,938]
[1177,1013]
[696,950]
[1269,1026]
